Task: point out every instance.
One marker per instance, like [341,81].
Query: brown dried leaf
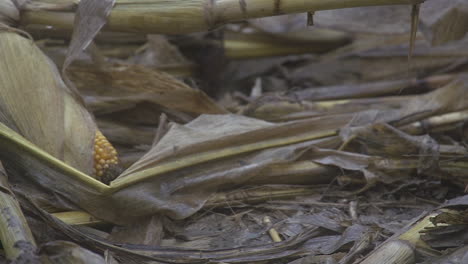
[127,85]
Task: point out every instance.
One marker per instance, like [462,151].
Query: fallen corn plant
[176,177]
[170,164]
[189,164]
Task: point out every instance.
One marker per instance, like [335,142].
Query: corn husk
[37,104]
[9,13]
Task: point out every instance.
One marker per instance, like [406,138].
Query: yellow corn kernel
[106,162]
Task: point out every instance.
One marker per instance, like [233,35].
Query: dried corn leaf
[127,85]
[57,252]
[190,163]
[186,183]
[380,65]
[441,21]
[90,18]
[276,108]
[444,21]
[372,89]
[384,20]
[126,135]
[171,255]
[227,135]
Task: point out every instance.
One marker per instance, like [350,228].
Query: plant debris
[234,132]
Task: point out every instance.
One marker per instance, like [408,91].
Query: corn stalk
[175,17]
[16,237]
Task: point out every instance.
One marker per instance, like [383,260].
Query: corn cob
[106,162]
